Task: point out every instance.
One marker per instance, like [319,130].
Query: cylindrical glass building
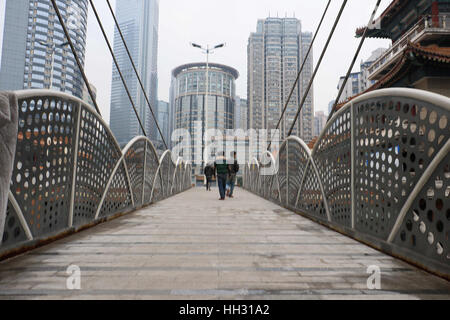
[188,98]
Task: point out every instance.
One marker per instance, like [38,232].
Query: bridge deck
[194,246]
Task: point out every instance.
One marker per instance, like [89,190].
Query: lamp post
[53,47]
[207,51]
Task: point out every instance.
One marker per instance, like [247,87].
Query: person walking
[221,172]
[233,169]
[209,173]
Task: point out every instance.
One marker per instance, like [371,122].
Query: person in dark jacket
[209,173]
[233,169]
[221,171]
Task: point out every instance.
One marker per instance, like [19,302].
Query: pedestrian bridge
[372,195]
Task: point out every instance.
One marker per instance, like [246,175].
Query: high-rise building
[330,105]
[86,96]
[138,21]
[240,114]
[275,53]
[188,98]
[320,120]
[163,120]
[35,54]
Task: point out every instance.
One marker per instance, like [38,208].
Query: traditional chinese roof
[432,54]
[386,17]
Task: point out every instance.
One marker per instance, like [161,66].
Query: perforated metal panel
[333,161]
[151,166]
[297,160]
[118,197]
[282,173]
[396,138]
[311,199]
[98,154]
[426,227]
[43,165]
[134,159]
[13,232]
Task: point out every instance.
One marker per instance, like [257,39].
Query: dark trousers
[232,183]
[222,184]
[208,183]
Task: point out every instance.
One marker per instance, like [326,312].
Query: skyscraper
[240,114]
[35,54]
[138,21]
[275,53]
[163,119]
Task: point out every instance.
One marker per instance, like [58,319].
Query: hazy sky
[231,21]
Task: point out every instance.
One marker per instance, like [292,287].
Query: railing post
[145,166]
[287,173]
[352,163]
[75,164]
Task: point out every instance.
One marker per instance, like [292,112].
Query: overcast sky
[231,21]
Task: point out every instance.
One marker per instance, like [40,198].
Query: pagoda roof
[386,17]
[432,54]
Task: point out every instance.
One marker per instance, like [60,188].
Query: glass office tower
[138,21]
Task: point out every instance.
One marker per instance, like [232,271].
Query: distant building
[86,97]
[188,100]
[358,82]
[320,120]
[163,120]
[34,51]
[138,21]
[275,53]
[330,105]
[240,115]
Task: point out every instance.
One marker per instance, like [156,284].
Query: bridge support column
[8,141]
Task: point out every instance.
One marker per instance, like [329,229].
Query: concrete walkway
[193,246]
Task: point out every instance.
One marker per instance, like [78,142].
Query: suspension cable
[300,71]
[136,72]
[372,17]
[317,66]
[117,66]
[75,54]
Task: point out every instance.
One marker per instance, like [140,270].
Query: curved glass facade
[189,97]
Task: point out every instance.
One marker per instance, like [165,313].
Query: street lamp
[207,51]
[53,47]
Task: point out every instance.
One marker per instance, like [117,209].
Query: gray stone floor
[193,246]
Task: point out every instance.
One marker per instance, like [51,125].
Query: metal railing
[69,171]
[424,25]
[379,172]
